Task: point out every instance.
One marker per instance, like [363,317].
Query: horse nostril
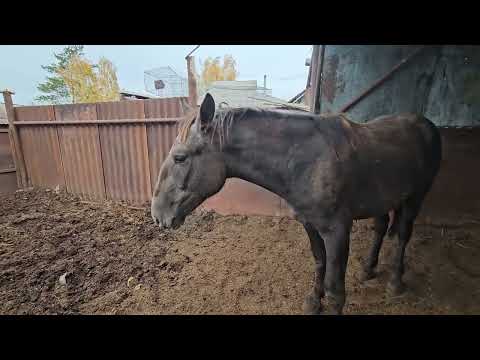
[157,221]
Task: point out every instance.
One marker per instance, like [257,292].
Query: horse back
[386,161]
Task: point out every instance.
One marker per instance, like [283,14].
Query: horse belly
[383,191]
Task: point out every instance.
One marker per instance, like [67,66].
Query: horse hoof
[332,312]
[312,305]
[396,288]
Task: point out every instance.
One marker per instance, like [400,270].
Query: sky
[20,65]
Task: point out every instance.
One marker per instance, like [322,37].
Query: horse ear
[207,111]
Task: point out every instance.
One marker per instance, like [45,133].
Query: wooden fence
[8,178]
[114,150]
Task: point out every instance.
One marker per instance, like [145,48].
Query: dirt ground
[115,261]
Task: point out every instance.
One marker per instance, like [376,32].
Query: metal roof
[138,93]
[298,97]
[242,94]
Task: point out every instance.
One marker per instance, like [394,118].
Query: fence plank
[98,122]
[6,156]
[161,136]
[8,182]
[81,153]
[125,152]
[41,147]
[242,197]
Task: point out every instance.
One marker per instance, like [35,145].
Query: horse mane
[224,118]
[222,123]
[184,128]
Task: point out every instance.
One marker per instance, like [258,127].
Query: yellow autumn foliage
[229,68]
[87,85]
[107,80]
[212,70]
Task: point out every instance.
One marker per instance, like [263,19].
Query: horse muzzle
[167,222]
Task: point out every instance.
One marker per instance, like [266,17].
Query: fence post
[192,82]
[15,144]
[313,75]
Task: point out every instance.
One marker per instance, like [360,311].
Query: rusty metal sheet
[161,136]
[6,158]
[285,209]
[454,96]
[455,194]
[361,77]
[240,197]
[41,147]
[8,183]
[163,108]
[160,139]
[34,113]
[454,197]
[125,152]
[132,109]
[236,197]
[81,151]
[42,156]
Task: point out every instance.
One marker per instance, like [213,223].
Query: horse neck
[259,150]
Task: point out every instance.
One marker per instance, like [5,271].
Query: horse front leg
[336,236]
[312,304]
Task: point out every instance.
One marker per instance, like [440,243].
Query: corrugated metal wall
[455,193]
[6,158]
[454,97]
[112,161]
[161,136]
[122,161]
[81,151]
[441,82]
[41,147]
[8,177]
[125,152]
[242,197]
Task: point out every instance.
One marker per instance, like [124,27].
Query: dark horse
[330,170]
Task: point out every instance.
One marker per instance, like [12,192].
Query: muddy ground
[115,261]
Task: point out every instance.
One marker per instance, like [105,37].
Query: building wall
[241,94]
[455,195]
[454,98]
[441,82]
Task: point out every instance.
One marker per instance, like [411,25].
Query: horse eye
[179,158]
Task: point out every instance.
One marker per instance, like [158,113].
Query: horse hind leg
[381,226]
[404,229]
[393,229]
